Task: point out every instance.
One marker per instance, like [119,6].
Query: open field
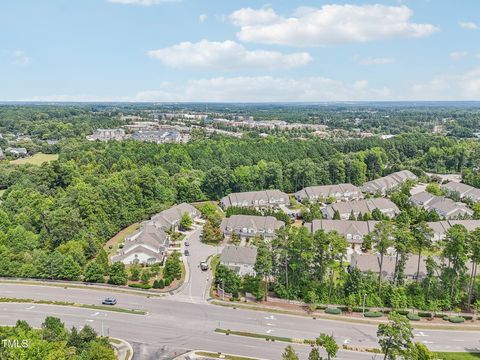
[37,159]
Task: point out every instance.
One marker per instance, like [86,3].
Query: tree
[53,329]
[382,238]
[336,215]
[474,239]
[94,272]
[71,270]
[289,354]
[421,352]
[423,239]
[395,337]
[185,222]
[118,274]
[263,263]
[173,267]
[329,344]
[314,354]
[434,188]
[135,272]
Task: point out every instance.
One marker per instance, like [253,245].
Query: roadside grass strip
[221,356]
[457,355]
[66,303]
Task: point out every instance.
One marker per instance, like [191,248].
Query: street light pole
[363,307]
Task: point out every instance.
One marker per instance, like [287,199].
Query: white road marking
[271,317]
[458,340]
[421,333]
[346,341]
[89,320]
[95,314]
[268,324]
[427,342]
[269,331]
[31,307]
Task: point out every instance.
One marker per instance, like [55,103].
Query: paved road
[196,288]
[173,326]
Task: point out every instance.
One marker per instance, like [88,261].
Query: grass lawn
[117,239]
[222,356]
[457,355]
[37,159]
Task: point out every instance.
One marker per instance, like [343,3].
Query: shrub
[425,314]
[413,317]
[333,311]
[343,308]
[403,312]
[373,314]
[467,317]
[158,284]
[140,286]
[359,309]
[445,317]
[438,315]
[168,281]
[456,319]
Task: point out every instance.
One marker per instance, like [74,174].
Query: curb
[124,343]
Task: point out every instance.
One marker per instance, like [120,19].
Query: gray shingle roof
[239,255]
[326,191]
[353,230]
[442,205]
[383,184]
[255,198]
[251,222]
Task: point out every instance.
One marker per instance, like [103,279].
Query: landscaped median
[66,303]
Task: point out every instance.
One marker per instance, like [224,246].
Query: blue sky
[192,50]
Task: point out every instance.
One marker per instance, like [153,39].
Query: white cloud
[202,18]
[264,89]
[329,24]
[226,55]
[141,2]
[373,61]
[464,86]
[469,25]
[17,57]
[458,55]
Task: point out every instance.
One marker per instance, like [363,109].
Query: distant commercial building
[107,135]
[157,136]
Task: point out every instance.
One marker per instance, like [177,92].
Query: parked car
[186,253]
[187,243]
[109,301]
[204,266]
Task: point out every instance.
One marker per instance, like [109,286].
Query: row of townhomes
[150,243]
[255,199]
[346,209]
[370,263]
[339,192]
[444,207]
[248,226]
[240,259]
[464,191]
[384,184]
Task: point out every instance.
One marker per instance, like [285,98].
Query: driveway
[197,282]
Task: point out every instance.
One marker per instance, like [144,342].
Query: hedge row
[333,311]
[373,314]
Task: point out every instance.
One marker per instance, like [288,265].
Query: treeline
[53,341]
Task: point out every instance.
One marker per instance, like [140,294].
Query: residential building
[240,259]
[170,218]
[440,228]
[339,192]
[363,207]
[247,226]
[148,245]
[443,206]
[107,135]
[371,263]
[255,199]
[354,231]
[464,191]
[384,184]
[15,151]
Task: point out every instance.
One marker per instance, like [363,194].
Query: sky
[239,51]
